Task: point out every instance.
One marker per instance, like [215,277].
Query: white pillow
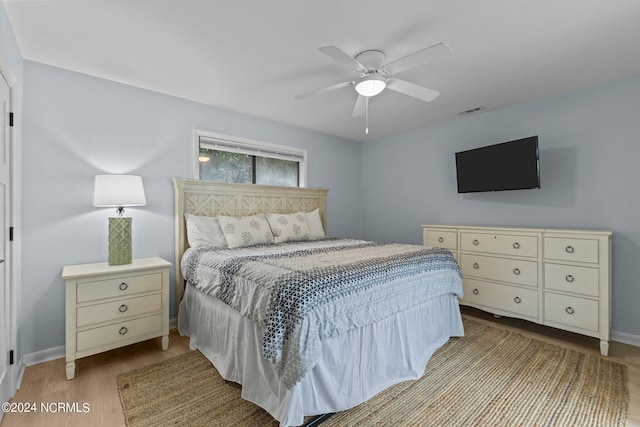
[315,223]
[289,227]
[245,230]
[204,231]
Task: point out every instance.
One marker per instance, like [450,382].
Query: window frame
[235,144]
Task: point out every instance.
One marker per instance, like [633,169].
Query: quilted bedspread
[304,292]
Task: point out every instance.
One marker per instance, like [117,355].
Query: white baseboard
[35,358]
[625,338]
[42,356]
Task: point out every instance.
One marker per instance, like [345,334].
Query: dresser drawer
[508,298]
[503,244]
[579,250]
[122,286]
[570,278]
[118,332]
[572,311]
[502,269]
[120,309]
[442,239]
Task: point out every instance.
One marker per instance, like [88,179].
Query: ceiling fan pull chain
[366,115]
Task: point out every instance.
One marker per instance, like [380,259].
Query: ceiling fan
[376,75]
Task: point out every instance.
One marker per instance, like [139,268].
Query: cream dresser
[559,278]
[113,306]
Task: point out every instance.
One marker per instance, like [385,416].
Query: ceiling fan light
[371,85]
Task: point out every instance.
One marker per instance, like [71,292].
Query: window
[225,158]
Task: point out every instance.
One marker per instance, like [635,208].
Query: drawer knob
[476,265]
[123,330]
[516,245]
[569,249]
[123,286]
[440,239]
[476,291]
[123,308]
[517,300]
[569,278]
[475,242]
[516,271]
[569,310]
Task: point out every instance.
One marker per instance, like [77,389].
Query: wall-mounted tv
[512,165]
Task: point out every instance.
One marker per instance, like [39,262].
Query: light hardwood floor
[95,382]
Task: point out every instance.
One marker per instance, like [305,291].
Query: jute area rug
[489,377]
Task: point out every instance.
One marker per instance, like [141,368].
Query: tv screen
[512,165]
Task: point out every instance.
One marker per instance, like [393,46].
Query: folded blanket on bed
[304,292]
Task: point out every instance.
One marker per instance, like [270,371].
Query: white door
[5,223]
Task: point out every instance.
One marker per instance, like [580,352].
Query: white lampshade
[371,85]
[118,190]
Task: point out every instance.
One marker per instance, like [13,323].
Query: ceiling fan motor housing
[372,60]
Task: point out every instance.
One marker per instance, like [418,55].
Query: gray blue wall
[589,167]
[76,126]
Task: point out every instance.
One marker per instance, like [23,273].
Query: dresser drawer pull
[516,271]
[440,239]
[569,310]
[476,291]
[570,249]
[569,278]
[123,330]
[475,242]
[123,308]
[123,286]
[516,245]
[517,300]
[476,265]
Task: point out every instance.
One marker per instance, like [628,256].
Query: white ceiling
[253,56]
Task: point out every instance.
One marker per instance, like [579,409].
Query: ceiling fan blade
[323,90]
[420,92]
[361,103]
[420,57]
[342,57]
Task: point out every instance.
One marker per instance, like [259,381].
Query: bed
[358,316]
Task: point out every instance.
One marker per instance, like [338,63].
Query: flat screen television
[512,165]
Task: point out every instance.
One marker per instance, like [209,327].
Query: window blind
[251,149]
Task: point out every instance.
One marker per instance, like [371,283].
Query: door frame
[13,370]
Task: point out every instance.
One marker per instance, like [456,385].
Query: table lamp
[119,191]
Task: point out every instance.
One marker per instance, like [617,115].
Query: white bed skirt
[353,366]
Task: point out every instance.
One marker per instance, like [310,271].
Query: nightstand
[112,306]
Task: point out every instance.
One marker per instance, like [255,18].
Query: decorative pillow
[245,230]
[315,223]
[289,227]
[204,231]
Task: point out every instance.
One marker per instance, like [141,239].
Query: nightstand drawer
[503,244]
[121,286]
[121,331]
[91,314]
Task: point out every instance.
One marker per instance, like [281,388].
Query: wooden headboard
[215,198]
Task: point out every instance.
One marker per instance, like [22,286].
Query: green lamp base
[119,240]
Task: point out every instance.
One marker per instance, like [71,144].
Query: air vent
[471,110]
